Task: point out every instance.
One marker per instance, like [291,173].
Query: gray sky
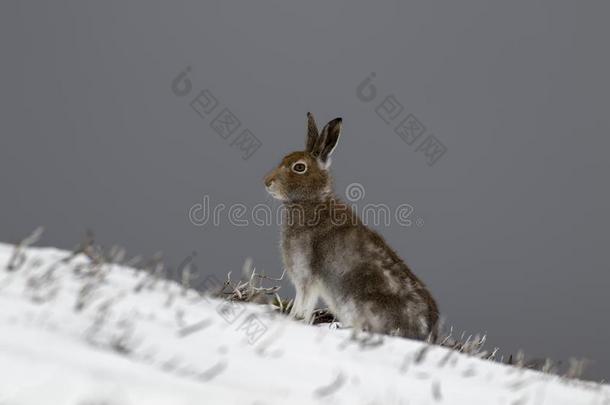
[510,224]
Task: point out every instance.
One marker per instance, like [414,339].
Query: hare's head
[304,175]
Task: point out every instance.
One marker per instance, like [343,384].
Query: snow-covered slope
[75,334]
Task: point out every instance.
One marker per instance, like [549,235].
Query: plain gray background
[515,234]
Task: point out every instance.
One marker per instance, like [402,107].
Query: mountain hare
[329,253]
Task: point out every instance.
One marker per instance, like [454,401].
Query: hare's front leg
[297,304]
[305,300]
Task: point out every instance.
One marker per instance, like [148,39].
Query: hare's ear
[312,133]
[327,141]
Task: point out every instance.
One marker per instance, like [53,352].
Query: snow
[140,340]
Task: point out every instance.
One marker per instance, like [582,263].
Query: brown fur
[329,252]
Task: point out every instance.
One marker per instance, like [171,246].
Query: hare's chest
[297,254]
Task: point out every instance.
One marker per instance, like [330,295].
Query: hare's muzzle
[269,179]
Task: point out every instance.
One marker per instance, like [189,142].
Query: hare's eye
[299,167]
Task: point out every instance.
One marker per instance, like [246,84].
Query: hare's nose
[268,181]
